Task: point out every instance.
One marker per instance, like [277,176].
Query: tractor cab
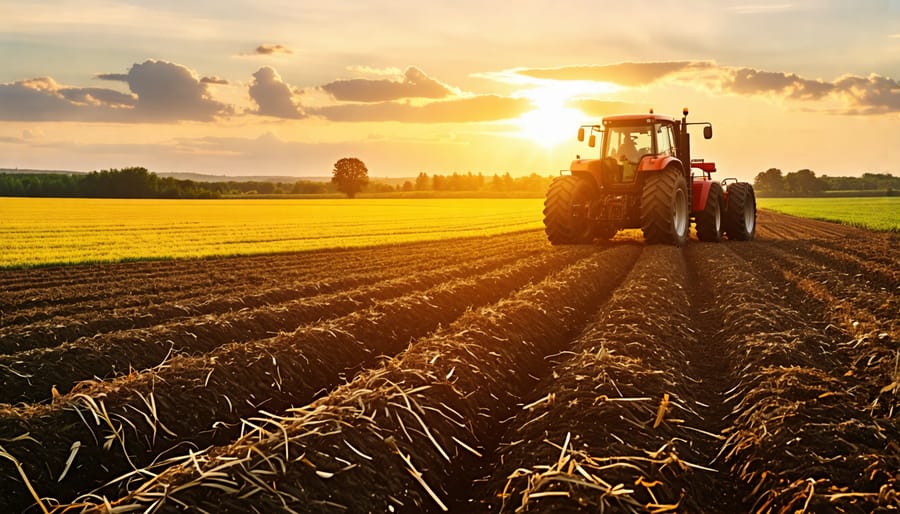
[630,144]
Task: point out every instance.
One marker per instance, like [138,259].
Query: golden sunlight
[552,122]
[549,126]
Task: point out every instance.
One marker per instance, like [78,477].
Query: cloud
[358,101]
[160,92]
[748,81]
[272,95]
[122,77]
[869,95]
[858,95]
[273,49]
[98,96]
[43,99]
[267,50]
[214,80]
[415,84]
[625,74]
[460,110]
[169,92]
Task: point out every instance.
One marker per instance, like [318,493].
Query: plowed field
[487,374]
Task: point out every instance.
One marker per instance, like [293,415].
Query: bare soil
[495,374]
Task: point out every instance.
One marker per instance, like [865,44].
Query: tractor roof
[639,118]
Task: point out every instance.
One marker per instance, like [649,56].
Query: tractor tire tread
[657,210]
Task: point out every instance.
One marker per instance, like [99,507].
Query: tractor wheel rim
[749,219]
[681,217]
[718,217]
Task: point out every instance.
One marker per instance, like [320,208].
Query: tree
[770,181]
[350,175]
[422,181]
[804,182]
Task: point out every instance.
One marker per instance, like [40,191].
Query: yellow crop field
[42,231]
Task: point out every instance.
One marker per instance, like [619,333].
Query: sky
[288,87]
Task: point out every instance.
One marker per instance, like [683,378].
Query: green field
[874,213]
[45,231]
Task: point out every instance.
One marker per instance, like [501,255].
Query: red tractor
[643,179]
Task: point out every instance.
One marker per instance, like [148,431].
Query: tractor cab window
[664,140]
[628,144]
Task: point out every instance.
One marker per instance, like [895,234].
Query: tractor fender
[699,193]
[658,163]
[587,169]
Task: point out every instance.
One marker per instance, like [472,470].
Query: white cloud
[272,95]
[169,92]
[160,92]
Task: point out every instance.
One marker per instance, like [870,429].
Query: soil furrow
[111,281]
[861,317]
[630,420]
[201,400]
[30,376]
[49,334]
[444,394]
[800,436]
[130,309]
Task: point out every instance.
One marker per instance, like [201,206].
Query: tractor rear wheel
[665,214]
[709,220]
[566,209]
[740,213]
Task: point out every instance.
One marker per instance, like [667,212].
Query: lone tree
[350,175]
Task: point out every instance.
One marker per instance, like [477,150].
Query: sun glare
[550,125]
[552,121]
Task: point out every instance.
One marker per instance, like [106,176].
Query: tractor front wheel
[566,211]
[709,220]
[665,214]
[740,213]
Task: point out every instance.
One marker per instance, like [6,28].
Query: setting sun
[551,125]
[553,120]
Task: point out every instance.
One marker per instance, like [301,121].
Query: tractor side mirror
[707,132]
[580,134]
[592,141]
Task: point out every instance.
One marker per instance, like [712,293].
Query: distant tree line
[478,182]
[773,182]
[133,182]
[137,182]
